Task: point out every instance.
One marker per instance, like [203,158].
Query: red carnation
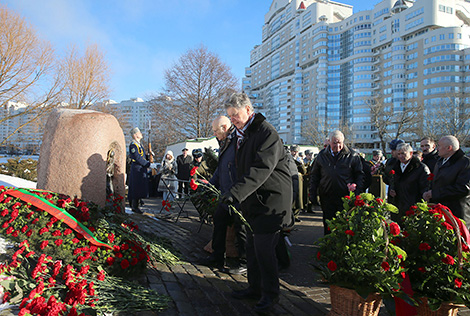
[75,240]
[58,242]
[43,244]
[392,172]
[422,269]
[394,229]
[4,212]
[111,237]
[424,246]
[448,260]
[193,185]
[193,171]
[431,177]
[124,264]
[24,229]
[124,246]
[29,233]
[385,266]
[318,255]
[332,266]
[110,261]
[347,197]
[134,261]
[349,232]
[359,202]
[447,225]
[9,230]
[379,200]
[43,230]
[68,231]
[458,283]
[15,233]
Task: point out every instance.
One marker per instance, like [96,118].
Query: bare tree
[451,116]
[195,88]
[315,133]
[392,123]
[87,77]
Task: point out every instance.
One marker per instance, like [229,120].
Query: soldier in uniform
[138,175]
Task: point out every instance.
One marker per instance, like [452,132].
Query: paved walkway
[199,290]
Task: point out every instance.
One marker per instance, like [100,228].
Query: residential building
[322,67]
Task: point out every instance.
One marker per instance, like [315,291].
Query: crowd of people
[270,184]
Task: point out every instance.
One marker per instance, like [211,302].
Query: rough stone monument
[83,154]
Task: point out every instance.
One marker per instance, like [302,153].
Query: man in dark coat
[224,177]
[337,170]
[390,164]
[264,190]
[451,183]
[409,182]
[183,162]
[430,155]
[138,175]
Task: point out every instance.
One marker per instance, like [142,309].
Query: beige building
[320,67]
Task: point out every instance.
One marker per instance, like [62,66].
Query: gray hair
[405,147]
[451,140]
[238,100]
[336,134]
[135,130]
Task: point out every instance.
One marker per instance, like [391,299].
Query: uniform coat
[451,185]
[138,175]
[409,185]
[264,185]
[431,159]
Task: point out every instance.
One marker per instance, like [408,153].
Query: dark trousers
[263,274]
[222,219]
[329,207]
[183,186]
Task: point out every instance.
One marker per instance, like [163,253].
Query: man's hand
[427,196]
[227,198]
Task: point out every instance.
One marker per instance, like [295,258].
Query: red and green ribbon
[58,213]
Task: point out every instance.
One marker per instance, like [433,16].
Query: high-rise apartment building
[320,66]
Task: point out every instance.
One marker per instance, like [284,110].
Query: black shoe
[265,304]
[137,210]
[212,262]
[237,270]
[247,293]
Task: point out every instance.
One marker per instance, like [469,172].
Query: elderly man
[409,182]
[430,155]
[138,175]
[264,190]
[336,171]
[451,183]
[223,178]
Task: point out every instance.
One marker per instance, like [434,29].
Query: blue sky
[142,38]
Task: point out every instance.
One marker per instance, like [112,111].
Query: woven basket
[346,302]
[446,309]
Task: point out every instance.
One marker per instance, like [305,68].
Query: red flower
[124,246]
[56,233]
[193,171]
[318,255]
[431,177]
[410,212]
[193,185]
[24,229]
[111,237]
[458,283]
[29,233]
[359,201]
[35,220]
[424,246]
[101,276]
[4,213]
[68,231]
[9,230]
[385,266]
[75,240]
[447,225]
[392,172]
[422,269]
[379,200]
[394,229]
[347,197]
[43,230]
[332,266]
[124,264]
[110,261]
[349,232]
[43,244]
[448,260]
[15,233]
[134,261]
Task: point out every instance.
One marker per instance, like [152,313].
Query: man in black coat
[430,155]
[183,162]
[337,170]
[451,183]
[264,191]
[409,182]
[224,177]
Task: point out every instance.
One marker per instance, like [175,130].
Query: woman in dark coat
[409,181]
